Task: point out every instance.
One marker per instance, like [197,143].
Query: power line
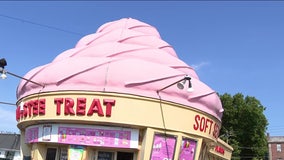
[41,25]
[7,103]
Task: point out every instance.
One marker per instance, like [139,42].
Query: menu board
[31,135]
[94,137]
[163,147]
[187,149]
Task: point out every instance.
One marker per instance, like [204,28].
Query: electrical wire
[164,123]
[8,103]
[41,25]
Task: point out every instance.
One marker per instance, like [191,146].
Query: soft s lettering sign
[206,125]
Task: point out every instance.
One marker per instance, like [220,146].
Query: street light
[3,63]
[4,73]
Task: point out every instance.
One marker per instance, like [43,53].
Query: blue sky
[235,47]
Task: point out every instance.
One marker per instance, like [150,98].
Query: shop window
[187,149]
[163,147]
[102,155]
[278,147]
[63,154]
[27,158]
[51,154]
[124,156]
[10,155]
[76,152]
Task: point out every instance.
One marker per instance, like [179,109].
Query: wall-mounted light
[181,84]
[4,73]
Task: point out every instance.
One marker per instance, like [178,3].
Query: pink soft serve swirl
[124,56]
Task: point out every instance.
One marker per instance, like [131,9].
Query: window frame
[278,147]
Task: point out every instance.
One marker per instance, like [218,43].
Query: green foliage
[244,126]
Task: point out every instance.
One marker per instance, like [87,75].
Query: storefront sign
[88,135]
[94,137]
[67,106]
[163,147]
[206,125]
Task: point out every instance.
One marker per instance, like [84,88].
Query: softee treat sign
[66,106]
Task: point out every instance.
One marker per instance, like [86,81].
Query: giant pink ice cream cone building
[103,98]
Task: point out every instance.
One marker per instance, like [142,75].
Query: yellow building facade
[79,125]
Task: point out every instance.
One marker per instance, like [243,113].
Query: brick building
[276,147]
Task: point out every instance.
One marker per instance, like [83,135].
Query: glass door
[51,154]
[104,155]
[124,156]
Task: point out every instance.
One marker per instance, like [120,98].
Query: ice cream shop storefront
[125,95]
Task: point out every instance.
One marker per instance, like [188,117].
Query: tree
[244,126]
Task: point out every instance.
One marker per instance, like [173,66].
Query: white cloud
[200,65]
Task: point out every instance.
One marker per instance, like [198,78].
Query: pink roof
[123,56]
